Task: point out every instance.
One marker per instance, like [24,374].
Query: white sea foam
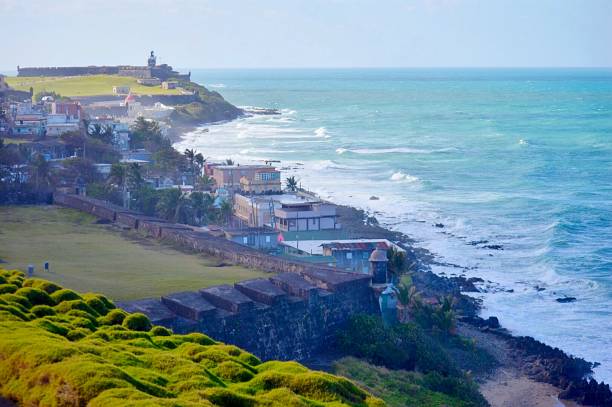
[401,176]
[321,132]
[523,142]
[216,85]
[391,150]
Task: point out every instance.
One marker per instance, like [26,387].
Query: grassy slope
[59,348]
[398,388]
[90,85]
[85,256]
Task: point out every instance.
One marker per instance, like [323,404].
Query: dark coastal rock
[564,300]
[493,322]
[539,289]
[374,198]
[465,285]
[493,247]
[439,225]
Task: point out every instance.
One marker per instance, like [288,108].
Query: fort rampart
[291,315]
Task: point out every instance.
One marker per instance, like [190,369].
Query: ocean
[503,174]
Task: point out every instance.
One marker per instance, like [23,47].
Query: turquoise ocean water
[517,158]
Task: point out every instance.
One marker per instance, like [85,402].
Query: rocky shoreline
[530,359]
[524,355]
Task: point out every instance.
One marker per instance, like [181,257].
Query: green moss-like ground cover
[62,348]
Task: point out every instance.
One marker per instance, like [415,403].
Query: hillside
[89,85]
[61,348]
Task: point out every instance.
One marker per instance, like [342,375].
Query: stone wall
[291,315]
[67,71]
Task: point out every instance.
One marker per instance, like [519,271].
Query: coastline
[526,366]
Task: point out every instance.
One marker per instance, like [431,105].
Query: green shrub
[12,309]
[65,306]
[35,296]
[52,327]
[114,317]
[46,286]
[65,295]
[98,302]
[42,311]
[8,288]
[16,300]
[232,371]
[137,322]
[160,331]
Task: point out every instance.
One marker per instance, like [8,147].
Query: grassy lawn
[86,256]
[90,85]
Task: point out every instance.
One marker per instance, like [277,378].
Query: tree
[225,211]
[292,183]
[41,170]
[167,203]
[118,175]
[229,161]
[103,133]
[200,160]
[190,155]
[202,205]
[133,176]
[397,262]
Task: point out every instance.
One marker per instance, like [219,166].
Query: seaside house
[306,216]
[257,238]
[72,110]
[255,178]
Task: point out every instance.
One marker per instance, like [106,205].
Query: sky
[307,33]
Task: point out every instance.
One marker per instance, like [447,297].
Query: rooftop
[315,247]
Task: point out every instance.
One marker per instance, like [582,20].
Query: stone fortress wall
[291,315]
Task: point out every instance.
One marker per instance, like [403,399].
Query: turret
[378,265]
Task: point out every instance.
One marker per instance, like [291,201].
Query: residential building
[58,124]
[258,210]
[256,178]
[348,254]
[158,111]
[306,216]
[32,124]
[257,238]
[72,110]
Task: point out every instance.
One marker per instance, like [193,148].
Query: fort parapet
[291,315]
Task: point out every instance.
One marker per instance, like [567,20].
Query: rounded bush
[35,296]
[65,295]
[76,334]
[16,299]
[66,306]
[52,327]
[42,311]
[234,372]
[8,288]
[114,317]
[15,311]
[160,331]
[137,322]
[2,279]
[98,302]
[46,286]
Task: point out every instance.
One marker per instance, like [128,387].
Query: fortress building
[162,72]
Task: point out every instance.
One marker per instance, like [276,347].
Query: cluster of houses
[295,224]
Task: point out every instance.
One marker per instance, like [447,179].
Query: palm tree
[200,160]
[292,183]
[168,202]
[229,161]
[397,262]
[409,299]
[183,212]
[190,155]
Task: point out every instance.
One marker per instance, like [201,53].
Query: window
[366,255]
[267,239]
[245,240]
[349,256]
